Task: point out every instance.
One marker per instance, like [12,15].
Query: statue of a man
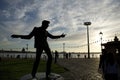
[40,35]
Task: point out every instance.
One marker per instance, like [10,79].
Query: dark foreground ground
[81,69]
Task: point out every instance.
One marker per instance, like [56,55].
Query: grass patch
[13,69]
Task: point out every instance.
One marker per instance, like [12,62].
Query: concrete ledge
[41,76]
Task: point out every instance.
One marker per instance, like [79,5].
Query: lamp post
[26,49]
[101,34]
[63,50]
[63,47]
[87,24]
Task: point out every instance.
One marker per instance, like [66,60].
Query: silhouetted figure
[111,68]
[40,35]
[85,56]
[103,59]
[56,57]
[0,59]
[66,55]
[69,55]
[78,55]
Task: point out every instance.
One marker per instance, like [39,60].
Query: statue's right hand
[63,35]
[15,36]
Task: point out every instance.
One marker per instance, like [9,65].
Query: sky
[66,16]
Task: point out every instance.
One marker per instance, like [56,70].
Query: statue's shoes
[34,78]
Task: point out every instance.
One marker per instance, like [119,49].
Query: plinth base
[42,76]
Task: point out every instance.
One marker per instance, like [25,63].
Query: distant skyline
[66,16]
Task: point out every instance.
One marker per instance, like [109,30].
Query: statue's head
[45,24]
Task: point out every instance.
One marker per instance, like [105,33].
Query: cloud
[20,16]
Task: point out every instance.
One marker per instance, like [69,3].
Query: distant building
[113,46]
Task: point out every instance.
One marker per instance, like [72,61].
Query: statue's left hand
[15,36]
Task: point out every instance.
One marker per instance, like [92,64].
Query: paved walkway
[80,69]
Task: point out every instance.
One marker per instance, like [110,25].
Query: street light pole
[26,49]
[101,34]
[64,50]
[87,24]
[63,47]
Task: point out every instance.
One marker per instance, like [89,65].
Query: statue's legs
[36,62]
[49,61]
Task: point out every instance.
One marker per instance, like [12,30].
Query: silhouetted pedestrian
[56,56]
[85,56]
[103,58]
[78,55]
[111,68]
[69,55]
[66,55]
[0,59]
[40,34]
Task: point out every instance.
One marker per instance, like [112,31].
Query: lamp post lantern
[101,34]
[87,24]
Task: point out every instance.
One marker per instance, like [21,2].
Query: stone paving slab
[81,69]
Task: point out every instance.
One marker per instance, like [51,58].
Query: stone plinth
[41,76]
